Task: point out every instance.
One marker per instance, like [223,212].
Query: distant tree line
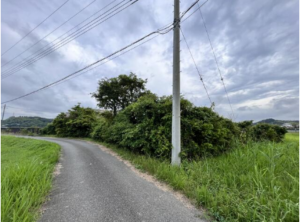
[26,121]
[141,121]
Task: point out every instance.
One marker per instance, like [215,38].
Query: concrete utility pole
[3,112]
[176,87]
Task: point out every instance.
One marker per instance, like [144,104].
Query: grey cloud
[245,108]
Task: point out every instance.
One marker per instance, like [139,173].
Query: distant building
[287,125]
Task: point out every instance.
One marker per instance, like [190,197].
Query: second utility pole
[176,87]
[3,112]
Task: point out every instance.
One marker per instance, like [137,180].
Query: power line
[48,34]
[42,53]
[194,10]
[116,55]
[52,42]
[189,8]
[201,78]
[111,58]
[108,60]
[65,40]
[34,28]
[161,31]
[164,30]
[213,51]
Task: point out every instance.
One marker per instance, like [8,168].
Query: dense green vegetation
[26,176]
[257,181]
[26,121]
[77,122]
[260,132]
[145,127]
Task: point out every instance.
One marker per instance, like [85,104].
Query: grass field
[254,182]
[26,176]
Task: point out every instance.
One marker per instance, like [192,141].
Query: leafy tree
[80,121]
[60,124]
[77,122]
[117,93]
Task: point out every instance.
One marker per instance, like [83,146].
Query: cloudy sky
[256,44]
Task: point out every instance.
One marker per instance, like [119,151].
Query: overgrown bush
[145,127]
[260,132]
[245,128]
[49,129]
[77,122]
[266,131]
[101,125]
[24,131]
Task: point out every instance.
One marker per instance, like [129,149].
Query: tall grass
[26,176]
[254,182]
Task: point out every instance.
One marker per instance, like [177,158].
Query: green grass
[292,137]
[26,176]
[254,182]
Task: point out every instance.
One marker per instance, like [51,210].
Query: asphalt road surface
[95,186]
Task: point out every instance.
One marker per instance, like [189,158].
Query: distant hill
[26,121]
[277,122]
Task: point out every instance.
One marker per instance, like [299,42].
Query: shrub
[245,128]
[24,131]
[266,131]
[48,130]
[145,127]
[100,127]
[77,122]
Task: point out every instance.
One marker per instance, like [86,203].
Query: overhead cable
[67,39]
[162,31]
[201,78]
[216,61]
[77,13]
[34,28]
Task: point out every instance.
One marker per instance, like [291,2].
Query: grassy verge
[254,182]
[26,176]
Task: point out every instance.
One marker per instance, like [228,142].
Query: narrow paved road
[95,186]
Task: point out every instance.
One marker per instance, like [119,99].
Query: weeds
[26,176]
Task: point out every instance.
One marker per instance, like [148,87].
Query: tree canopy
[117,93]
[77,122]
